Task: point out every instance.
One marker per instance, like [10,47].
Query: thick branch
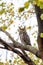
[18,45]
[9,47]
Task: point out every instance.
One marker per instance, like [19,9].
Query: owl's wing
[26,39]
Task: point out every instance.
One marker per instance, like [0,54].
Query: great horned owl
[24,36]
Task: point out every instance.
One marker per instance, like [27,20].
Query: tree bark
[20,46]
[23,55]
[16,44]
[40,29]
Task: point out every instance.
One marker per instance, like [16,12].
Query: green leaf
[26,4]
[2,11]
[41,5]
[28,27]
[41,35]
[2,4]
[21,9]
[41,16]
[4,27]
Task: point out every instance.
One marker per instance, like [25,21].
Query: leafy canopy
[34,2]
[38,3]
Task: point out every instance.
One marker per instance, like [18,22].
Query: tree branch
[9,47]
[20,46]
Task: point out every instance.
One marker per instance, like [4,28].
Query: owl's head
[22,30]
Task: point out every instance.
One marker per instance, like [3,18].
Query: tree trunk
[40,29]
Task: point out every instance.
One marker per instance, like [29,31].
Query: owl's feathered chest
[24,36]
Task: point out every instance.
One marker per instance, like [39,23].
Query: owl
[24,36]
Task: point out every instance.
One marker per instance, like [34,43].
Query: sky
[30,21]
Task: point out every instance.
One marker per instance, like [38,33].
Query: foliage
[8,11]
[34,2]
[21,9]
[26,4]
[41,16]
[38,3]
[1,63]
[41,35]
